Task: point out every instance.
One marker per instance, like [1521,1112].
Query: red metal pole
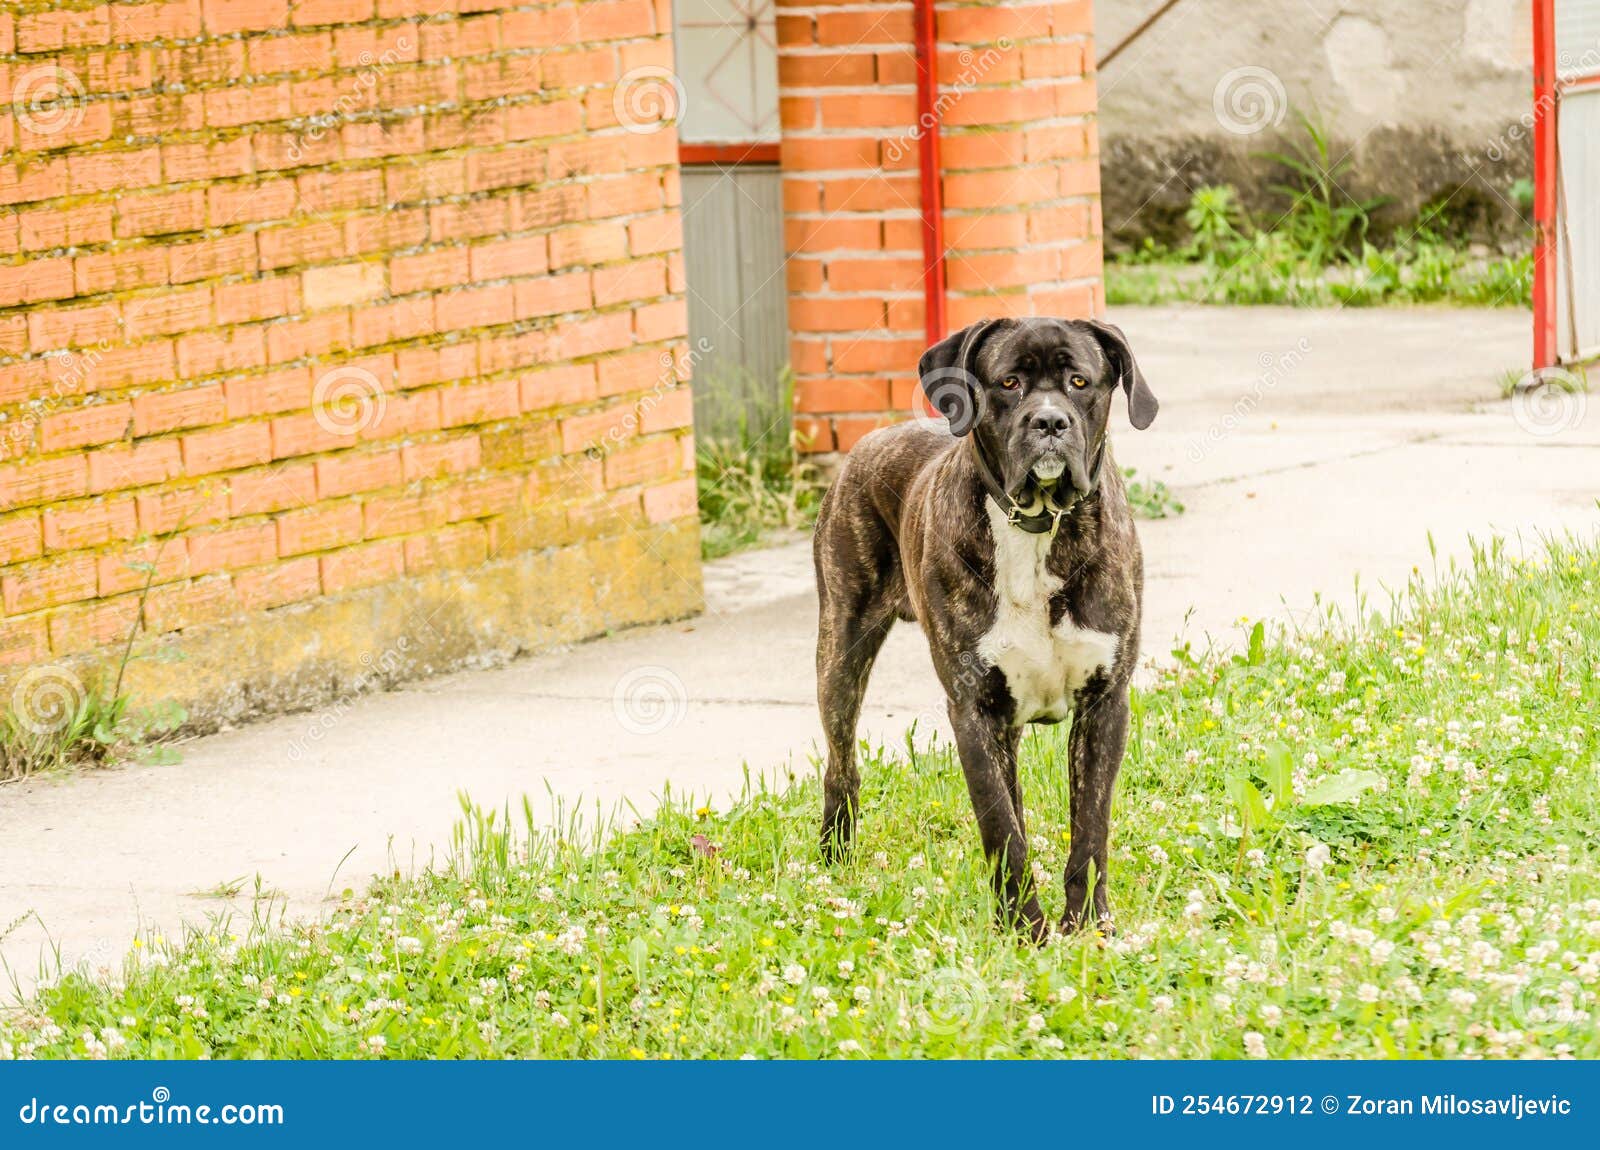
[1545,175]
[931,170]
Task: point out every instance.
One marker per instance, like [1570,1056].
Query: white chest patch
[1043,666]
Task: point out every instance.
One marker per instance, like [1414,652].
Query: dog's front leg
[1094,756]
[988,759]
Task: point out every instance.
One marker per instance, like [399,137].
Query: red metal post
[931,170]
[1545,175]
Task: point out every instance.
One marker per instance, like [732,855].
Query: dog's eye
[1011,383]
[1079,381]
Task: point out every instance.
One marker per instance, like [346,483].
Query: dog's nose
[1049,422]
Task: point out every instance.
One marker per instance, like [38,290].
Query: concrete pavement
[1309,447]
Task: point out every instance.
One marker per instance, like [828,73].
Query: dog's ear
[949,376]
[1142,404]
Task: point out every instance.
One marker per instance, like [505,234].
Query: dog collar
[1046,514]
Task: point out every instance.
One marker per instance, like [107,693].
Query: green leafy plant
[1150,500]
[55,721]
[1317,252]
[1323,221]
[751,488]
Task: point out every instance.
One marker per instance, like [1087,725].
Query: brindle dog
[1012,543]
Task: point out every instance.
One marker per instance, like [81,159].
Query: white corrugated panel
[1578,231]
[1577,38]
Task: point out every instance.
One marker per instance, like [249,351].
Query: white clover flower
[1255,1044]
[1318,856]
[794,974]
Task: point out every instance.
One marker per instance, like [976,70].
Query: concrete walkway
[1308,446]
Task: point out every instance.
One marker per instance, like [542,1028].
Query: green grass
[1312,250]
[1375,841]
[1268,273]
[1151,499]
[749,491]
[54,721]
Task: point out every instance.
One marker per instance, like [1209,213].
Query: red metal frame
[1545,175]
[728,155]
[930,169]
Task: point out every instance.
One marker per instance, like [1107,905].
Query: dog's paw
[1103,926]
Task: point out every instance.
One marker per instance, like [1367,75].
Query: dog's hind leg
[850,633]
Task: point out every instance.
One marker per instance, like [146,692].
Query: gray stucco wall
[1427,96]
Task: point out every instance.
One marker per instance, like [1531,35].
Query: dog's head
[1036,393]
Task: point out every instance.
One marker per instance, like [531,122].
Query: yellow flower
[636,1052]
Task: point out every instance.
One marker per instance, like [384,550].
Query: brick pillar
[1020,179]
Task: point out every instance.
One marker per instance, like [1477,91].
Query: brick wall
[1020,184]
[321,302]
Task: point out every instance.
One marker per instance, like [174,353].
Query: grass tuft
[752,489]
